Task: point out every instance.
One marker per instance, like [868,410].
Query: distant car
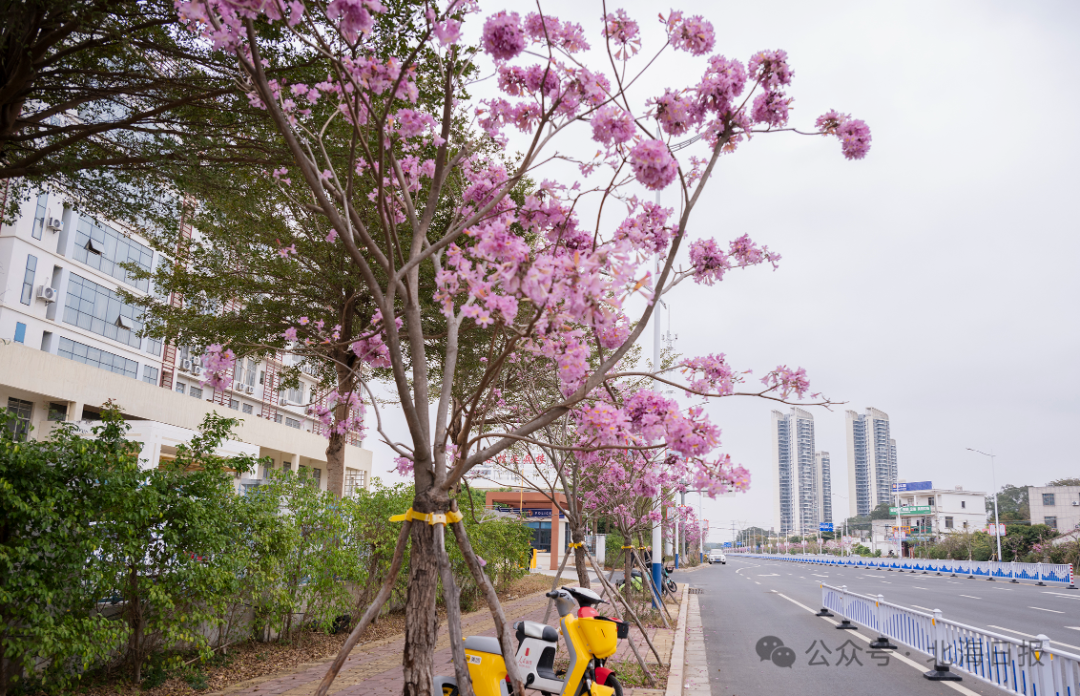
[717,556]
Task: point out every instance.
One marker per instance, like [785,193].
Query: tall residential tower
[798,500]
[871,460]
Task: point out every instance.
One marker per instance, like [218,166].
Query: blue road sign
[825,527]
[912,486]
[727,544]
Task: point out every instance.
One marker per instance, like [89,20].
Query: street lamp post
[993,480]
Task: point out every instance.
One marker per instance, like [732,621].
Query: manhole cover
[697,590]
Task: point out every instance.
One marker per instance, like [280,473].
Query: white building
[823,479]
[931,513]
[796,503]
[68,344]
[1056,506]
[871,454]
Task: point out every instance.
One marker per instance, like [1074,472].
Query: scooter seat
[484,644]
[535,629]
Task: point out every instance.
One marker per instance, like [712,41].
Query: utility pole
[993,480]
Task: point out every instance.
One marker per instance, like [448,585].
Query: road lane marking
[1075,628]
[970,596]
[919,588]
[770,575]
[1028,635]
[1055,611]
[1007,589]
[866,639]
[758,583]
[1060,594]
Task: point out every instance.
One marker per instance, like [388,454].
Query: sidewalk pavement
[374,669]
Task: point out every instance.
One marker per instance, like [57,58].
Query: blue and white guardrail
[1045,573]
[1030,667]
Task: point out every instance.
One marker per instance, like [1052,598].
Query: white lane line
[770,575]
[918,588]
[886,582]
[1062,594]
[756,582]
[970,596]
[819,576]
[1028,635]
[1075,628]
[1054,611]
[866,639]
[1007,589]
[923,608]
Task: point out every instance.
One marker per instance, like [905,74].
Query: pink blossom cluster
[710,263]
[355,16]
[503,37]
[623,32]
[372,349]
[612,126]
[711,374]
[677,112]
[787,381]
[218,362]
[771,108]
[854,134]
[691,34]
[325,411]
[648,230]
[568,36]
[653,164]
[770,69]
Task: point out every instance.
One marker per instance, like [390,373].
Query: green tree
[1012,504]
[1065,482]
[881,512]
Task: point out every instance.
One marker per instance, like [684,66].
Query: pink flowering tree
[423,190]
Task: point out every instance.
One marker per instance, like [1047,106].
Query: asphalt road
[1019,610]
[748,600]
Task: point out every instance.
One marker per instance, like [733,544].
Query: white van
[717,556]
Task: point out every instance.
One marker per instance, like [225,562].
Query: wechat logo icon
[772,648]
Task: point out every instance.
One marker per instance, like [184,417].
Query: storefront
[550,531]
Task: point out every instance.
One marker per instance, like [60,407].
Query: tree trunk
[577,535]
[335,464]
[135,621]
[421,621]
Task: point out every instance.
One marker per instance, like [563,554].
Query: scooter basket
[622,630]
[601,635]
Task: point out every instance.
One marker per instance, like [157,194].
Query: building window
[354,481]
[150,374]
[109,251]
[318,477]
[1048,521]
[28,280]
[296,396]
[96,308]
[247,408]
[234,404]
[277,417]
[292,423]
[98,358]
[249,376]
[153,346]
[248,488]
[58,412]
[1048,498]
[20,332]
[39,215]
[195,392]
[19,424]
[930,501]
[948,523]
[287,466]
[963,504]
[180,387]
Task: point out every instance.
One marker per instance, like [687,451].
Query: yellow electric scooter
[590,639]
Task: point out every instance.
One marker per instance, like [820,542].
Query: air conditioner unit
[196,368]
[249,389]
[54,223]
[46,293]
[1076,504]
[185,364]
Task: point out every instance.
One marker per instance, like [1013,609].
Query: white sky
[936,279]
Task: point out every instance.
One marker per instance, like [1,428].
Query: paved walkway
[374,669]
[696,671]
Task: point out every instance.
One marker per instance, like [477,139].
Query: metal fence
[1029,667]
[1041,573]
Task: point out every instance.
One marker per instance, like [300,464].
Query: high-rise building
[797,503]
[823,472]
[871,460]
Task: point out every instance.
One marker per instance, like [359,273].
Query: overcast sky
[935,280]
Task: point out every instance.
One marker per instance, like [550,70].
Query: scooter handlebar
[553,594]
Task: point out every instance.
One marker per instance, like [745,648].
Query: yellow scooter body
[488,673]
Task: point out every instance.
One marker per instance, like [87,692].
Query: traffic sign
[912,486]
[911,510]
[825,527]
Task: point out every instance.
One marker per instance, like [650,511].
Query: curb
[678,648]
